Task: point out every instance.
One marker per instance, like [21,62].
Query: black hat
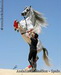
[36,35]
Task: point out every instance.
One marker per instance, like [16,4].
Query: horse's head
[26,11]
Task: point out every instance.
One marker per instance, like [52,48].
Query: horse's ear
[30,6]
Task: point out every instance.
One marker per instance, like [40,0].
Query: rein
[25,22]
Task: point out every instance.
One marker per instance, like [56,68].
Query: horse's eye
[28,9]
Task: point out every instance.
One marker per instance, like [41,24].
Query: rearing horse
[33,20]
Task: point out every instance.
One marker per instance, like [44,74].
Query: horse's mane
[39,18]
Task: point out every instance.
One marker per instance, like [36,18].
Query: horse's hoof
[17,30]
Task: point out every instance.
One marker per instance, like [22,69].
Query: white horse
[33,20]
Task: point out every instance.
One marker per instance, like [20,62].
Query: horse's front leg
[23,33]
[18,27]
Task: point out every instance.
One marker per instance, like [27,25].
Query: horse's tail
[45,56]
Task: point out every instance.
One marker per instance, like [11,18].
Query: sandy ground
[14,72]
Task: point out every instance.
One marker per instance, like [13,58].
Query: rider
[32,58]
[33,50]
